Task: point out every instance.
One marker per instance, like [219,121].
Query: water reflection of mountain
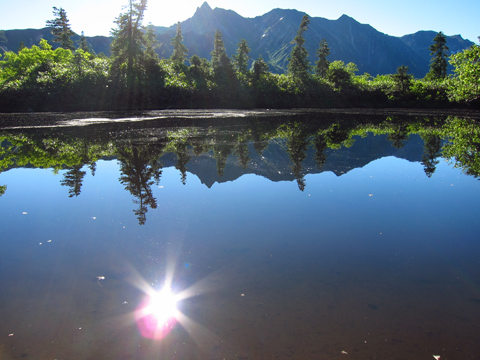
[276,165]
[278,149]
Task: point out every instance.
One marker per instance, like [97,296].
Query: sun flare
[157,314]
[162,308]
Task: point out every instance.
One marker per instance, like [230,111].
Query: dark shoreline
[82,118]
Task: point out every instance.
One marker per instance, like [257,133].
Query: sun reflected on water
[163,308]
[157,314]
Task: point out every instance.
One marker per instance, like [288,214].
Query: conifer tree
[151,43]
[130,48]
[129,38]
[179,54]
[322,63]
[241,57]
[219,51]
[438,65]
[260,67]
[61,29]
[298,66]
[221,64]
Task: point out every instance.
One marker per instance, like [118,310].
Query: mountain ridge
[274,163]
[270,35]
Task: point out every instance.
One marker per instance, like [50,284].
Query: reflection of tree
[335,135]
[73,179]
[220,154]
[221,149]
[398,134]
[297,143]
[259,141]
[320,147]
[93,167]
[241,150]
[178,141]
[198,147]
[140,167]
[182,160]
[260,146]
[464,146]
[3,188]
[430,153]
[140,170]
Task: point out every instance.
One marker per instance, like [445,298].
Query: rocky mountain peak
[205,8]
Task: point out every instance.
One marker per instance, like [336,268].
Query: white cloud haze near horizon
[394,18]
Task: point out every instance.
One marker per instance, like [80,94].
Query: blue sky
[397,18]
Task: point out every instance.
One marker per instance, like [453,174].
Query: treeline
[134,77]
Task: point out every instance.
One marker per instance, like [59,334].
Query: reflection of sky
[364,201]
[250,236]
[356,198]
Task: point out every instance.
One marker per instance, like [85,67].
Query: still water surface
[350,250]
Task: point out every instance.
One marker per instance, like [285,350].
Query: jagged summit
[204,8]
[345,17]
[270,36]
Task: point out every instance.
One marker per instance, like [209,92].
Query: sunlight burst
[161,310]
[157,314]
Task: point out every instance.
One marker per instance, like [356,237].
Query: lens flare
[162,310]
[157,314]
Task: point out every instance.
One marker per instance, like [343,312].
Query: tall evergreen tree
[151,43]
[322,63]
[219,51]
[241,57]
[129,38]
[438,64]
[260,67]
[298,65]
[221,64]
[132,49]
[61,29]
[179,54]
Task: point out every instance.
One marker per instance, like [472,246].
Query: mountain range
[270,35]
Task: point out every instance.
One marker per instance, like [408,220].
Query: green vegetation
[134,77]
[73,152]
[465,85]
